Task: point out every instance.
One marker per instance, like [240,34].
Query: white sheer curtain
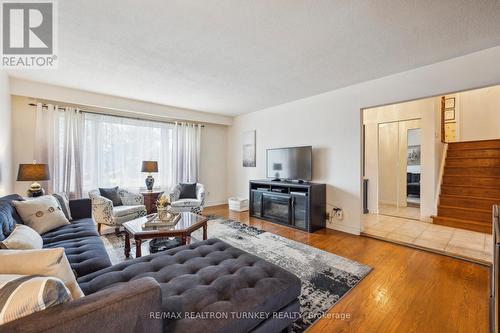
[114,148]
[186,152]
[58,143]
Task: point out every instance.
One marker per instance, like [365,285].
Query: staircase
[470,186]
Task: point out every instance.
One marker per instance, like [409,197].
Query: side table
[150,198]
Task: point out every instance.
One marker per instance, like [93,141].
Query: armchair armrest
[125,307]
[176,193]
[102,210]
[200,193]
[80,208]
[131,199]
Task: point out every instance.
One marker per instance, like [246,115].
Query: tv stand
[294,204]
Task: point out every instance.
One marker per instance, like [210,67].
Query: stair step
[493,182]
[468,202]
[463,224]
[481,192]
[465,213]
[473,162]
[483,144]
[472,171]
[470,153]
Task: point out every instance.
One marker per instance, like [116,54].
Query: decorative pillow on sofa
[111,194]
[8,215]
[63,200]
[42,214]
[22,238]
[188,191]
[45,262]
[22,295]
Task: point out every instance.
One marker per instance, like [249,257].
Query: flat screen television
[293,163]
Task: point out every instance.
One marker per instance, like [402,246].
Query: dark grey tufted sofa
[211,278]
[171,291]
[81,242]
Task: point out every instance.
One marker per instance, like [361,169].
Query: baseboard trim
[344,228]
[215,204]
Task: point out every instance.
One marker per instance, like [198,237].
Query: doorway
[399,171]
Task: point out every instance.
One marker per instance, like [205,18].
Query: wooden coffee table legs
[138,241]
[138,244]
[127,245]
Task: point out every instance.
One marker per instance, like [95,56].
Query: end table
[150,198]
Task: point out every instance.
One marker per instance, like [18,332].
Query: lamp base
[35,190]
[150,181]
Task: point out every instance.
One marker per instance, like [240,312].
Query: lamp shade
[149,166]
[33,172]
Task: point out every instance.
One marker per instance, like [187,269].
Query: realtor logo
[28,34]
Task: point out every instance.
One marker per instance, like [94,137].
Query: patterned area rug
[326,277]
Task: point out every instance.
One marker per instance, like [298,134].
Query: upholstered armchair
[103,211]
[187,205]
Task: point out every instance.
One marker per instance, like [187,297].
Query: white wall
[213,150]
[424,109]
[479,114]
[5,136]
[79,97]
[331,122]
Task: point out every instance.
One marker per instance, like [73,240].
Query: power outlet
[327,216]
[337,213]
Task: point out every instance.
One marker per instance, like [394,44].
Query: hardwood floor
[408,290]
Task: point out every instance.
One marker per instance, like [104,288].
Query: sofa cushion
[22,238]
[208,276]
[127,210]
[111,194]
[75,230]
[45,262]
[22,295]
[8,215]
[63,200]
[85,254]
[42,213]
[187,191]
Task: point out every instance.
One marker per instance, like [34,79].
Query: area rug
[325,277]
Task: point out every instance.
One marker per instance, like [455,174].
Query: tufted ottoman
[210,286]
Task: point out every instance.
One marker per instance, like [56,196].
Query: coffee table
[188,223]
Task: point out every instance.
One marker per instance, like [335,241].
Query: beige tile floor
[405,212]
[451,241]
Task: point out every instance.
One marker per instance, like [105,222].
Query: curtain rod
[112,115]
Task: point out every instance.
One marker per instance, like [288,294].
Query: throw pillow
[42,213]
[22,295]
[22,238]
[111,194]
[63,200]
[8,215]
[188,191]
[45,262]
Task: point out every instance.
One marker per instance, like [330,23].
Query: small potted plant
[163,208]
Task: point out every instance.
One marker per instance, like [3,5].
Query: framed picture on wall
[413,155]
[249,149]
[449,114]
[449,103]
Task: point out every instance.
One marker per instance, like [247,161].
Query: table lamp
[149,166]
[34,172]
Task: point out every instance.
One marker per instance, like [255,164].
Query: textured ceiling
[237,56]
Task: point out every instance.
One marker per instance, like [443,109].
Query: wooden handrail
[443,134]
